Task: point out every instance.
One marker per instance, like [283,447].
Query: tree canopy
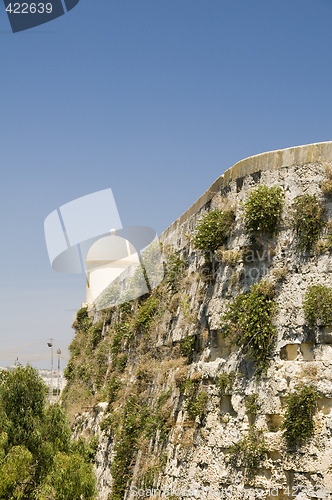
[38,458]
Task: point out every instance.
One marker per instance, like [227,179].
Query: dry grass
[180,376]
[327,184]
[321,247]
[231,257]
[279,274]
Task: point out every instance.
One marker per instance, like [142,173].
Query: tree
[37,457]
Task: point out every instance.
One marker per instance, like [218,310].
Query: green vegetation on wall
[213,230]
[318,305]
[301,407]
[249,322]
[327,184]
[249,452]
[175,270]
[308,220]
[225,382]
[195,399]
[252,405]
[262,210]
[145,314]
[187,347]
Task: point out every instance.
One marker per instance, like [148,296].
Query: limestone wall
[197,454]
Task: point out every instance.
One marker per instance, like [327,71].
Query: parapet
[272,160]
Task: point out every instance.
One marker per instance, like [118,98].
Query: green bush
[82,321]
[298,423]
[196,406]
[112,389]
[33,438]
[187,346]
[95,334]
[252,405]
[71,477]
[175,269]
[327,184]
[195,399]
[225,382]
[249,452]
[124,448]
[146,313]
[308,220]
[108,297]
[213,230]
[318,305]
[82,314]
[249,321]
[262,210]
[121,362]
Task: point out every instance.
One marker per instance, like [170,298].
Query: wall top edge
[271,160]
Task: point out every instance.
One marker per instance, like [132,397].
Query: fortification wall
[195,453]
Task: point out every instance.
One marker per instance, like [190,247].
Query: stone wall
[197,454]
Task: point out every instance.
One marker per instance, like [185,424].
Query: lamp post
[50,344]
[58,381]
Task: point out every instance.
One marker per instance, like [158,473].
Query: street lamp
[58,387]
[50,344]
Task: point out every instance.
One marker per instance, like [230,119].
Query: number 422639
[32,8]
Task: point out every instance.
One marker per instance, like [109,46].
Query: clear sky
[153,98]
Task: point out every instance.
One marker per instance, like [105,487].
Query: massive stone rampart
[192,447]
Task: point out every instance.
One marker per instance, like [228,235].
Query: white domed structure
[105,261]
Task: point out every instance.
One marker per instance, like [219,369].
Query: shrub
[124,447]
[249,452]
[318,305]
[175,271]
[213,230]
[225,382]
[121,362]
[71,477]
[327,187]
[327,184]
[146,313]
[112,389]
[96,334]
[308,220]
[262,210]
[249,321]
[82,314]
[252,405]
[187,346]
[322,246]
[180,376]
[185,306]
[108,297]
[230,257]
[298,423]
[279,274]
[196,406]
[195,399]
[82,321]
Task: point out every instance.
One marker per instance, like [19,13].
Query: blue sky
[153,98]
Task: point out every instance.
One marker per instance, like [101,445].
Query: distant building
[57,383]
